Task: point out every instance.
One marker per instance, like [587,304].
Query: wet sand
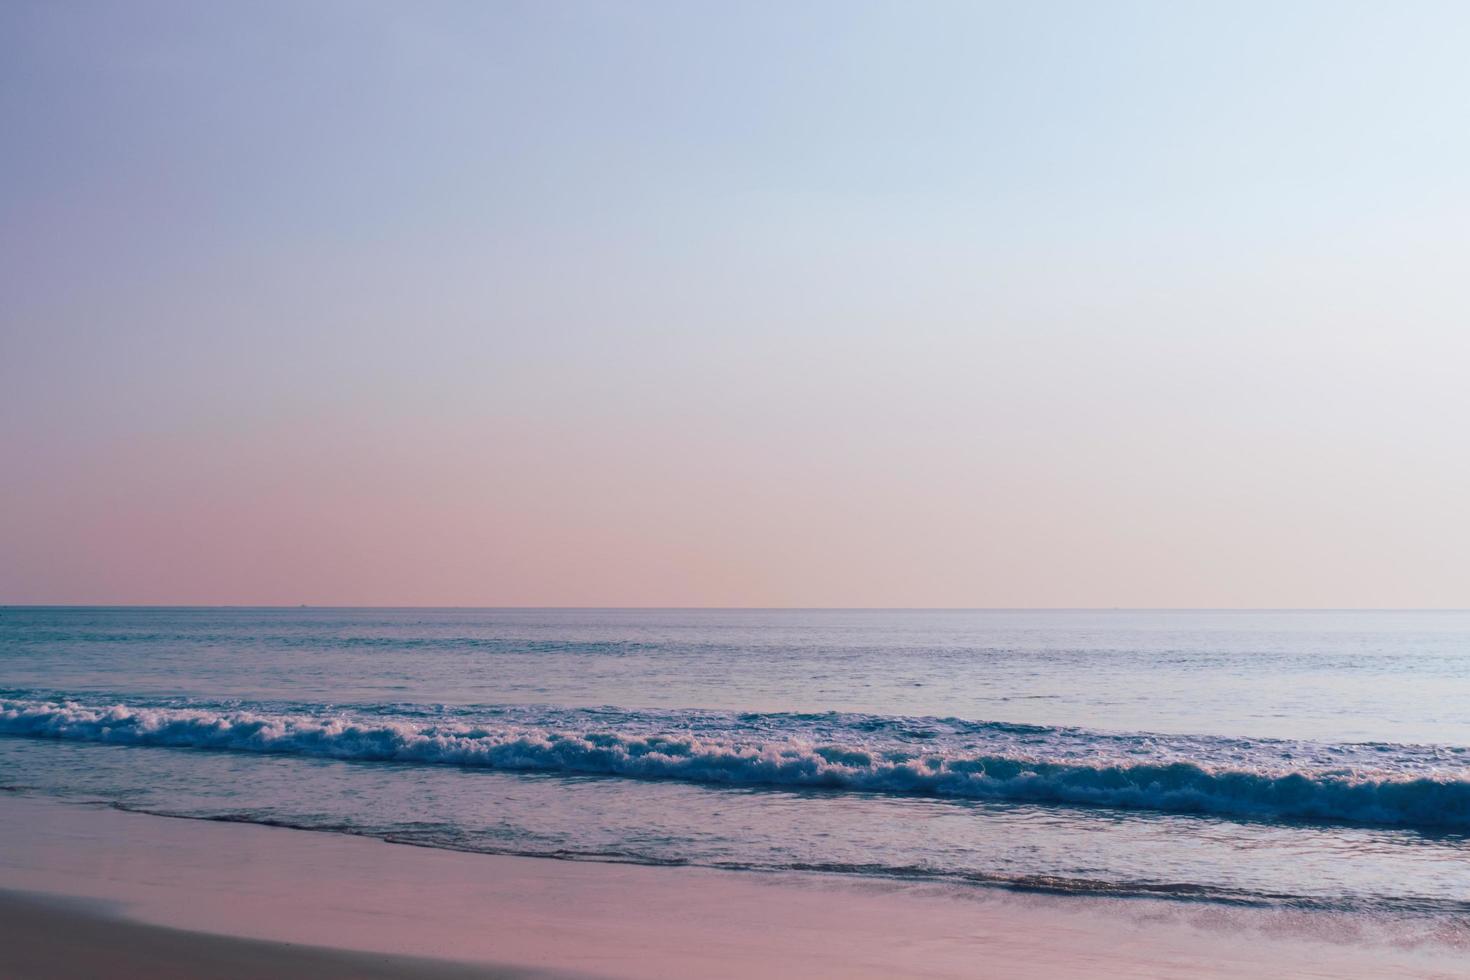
[57,939]
[100,893]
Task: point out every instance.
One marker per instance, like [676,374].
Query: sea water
[1301,760]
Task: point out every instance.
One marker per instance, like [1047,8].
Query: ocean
[1280,760]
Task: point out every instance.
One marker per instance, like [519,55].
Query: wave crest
[1167,785]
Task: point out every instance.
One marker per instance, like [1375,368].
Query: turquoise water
[1278,759]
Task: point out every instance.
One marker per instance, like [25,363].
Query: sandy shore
[97,892]
[45,937]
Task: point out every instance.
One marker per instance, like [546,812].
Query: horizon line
[550,608]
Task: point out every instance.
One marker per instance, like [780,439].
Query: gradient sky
[827,304]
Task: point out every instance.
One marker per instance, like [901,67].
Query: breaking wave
[751,753]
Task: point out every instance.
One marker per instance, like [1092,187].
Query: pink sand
[630,921]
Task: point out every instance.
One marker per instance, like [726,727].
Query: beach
[644,793]
[93,891]
[60,940]
[754,490]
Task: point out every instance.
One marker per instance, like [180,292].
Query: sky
[761,304]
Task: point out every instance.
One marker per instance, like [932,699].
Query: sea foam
[988,767]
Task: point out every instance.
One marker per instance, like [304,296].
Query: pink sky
[666,306]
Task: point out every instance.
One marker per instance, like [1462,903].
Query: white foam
[1148,783]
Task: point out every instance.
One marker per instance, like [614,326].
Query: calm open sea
[1317,760]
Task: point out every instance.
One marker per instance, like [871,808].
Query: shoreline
[199,897]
